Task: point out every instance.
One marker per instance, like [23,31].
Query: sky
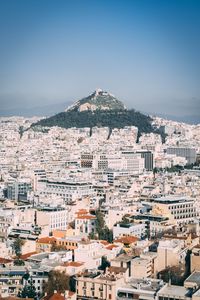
[145,52]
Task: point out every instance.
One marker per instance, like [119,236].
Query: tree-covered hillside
[107,118]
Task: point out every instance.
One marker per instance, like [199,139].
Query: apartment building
[143,288]
[18,190]
[98,286]
[87,160]
[188,153]
[89,252]
[177,208]
[134,229]
[148,159]
[85,223]
[155,225]
[69,243]
[69,190]
[170,253]
[142,268]
[45,244]
[53,217]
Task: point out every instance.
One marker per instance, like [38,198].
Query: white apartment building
[188,153]
[53,218]
[90,253]
[69,190]
[177,209]
[85,223]
[134,229]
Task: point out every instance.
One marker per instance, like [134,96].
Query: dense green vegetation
[175,168]
[17,247]
[104,264]
[177,274]
[58,281]
[106,118]
[103,232]
[28,291]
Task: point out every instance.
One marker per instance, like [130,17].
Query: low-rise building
[131,229]
[140,289]
[98,286]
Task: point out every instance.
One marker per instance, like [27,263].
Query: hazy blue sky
[147,53]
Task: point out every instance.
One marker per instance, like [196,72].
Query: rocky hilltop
[98,100]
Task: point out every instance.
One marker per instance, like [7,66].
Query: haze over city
[146,53]
[99,150]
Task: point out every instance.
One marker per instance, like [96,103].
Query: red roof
[73,264]
[5,261]
[126,239]
[104,242]
[56,296]
[47,240]
[27,255]
[84,214]
[110,247]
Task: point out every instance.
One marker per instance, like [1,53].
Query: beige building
[71,267]
[151,257]
[170,253]
[142,268]
[179,210]
[195,259]
[99,286]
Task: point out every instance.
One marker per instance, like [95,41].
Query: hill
[98,109]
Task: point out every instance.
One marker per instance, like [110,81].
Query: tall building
[188,153]
[148,159]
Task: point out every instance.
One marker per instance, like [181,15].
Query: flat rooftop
[194,278]
[174,291]
[123,257]
[172,199]
[147,284]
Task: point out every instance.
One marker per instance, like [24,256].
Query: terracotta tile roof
[27,255]
[71,293]
[73,264]
[84,214]
[85,217]
[57,296]
[110,247]
[46,240]
[126,240]
[104,242]
[5,261]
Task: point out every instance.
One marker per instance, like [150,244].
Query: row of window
[181,206]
